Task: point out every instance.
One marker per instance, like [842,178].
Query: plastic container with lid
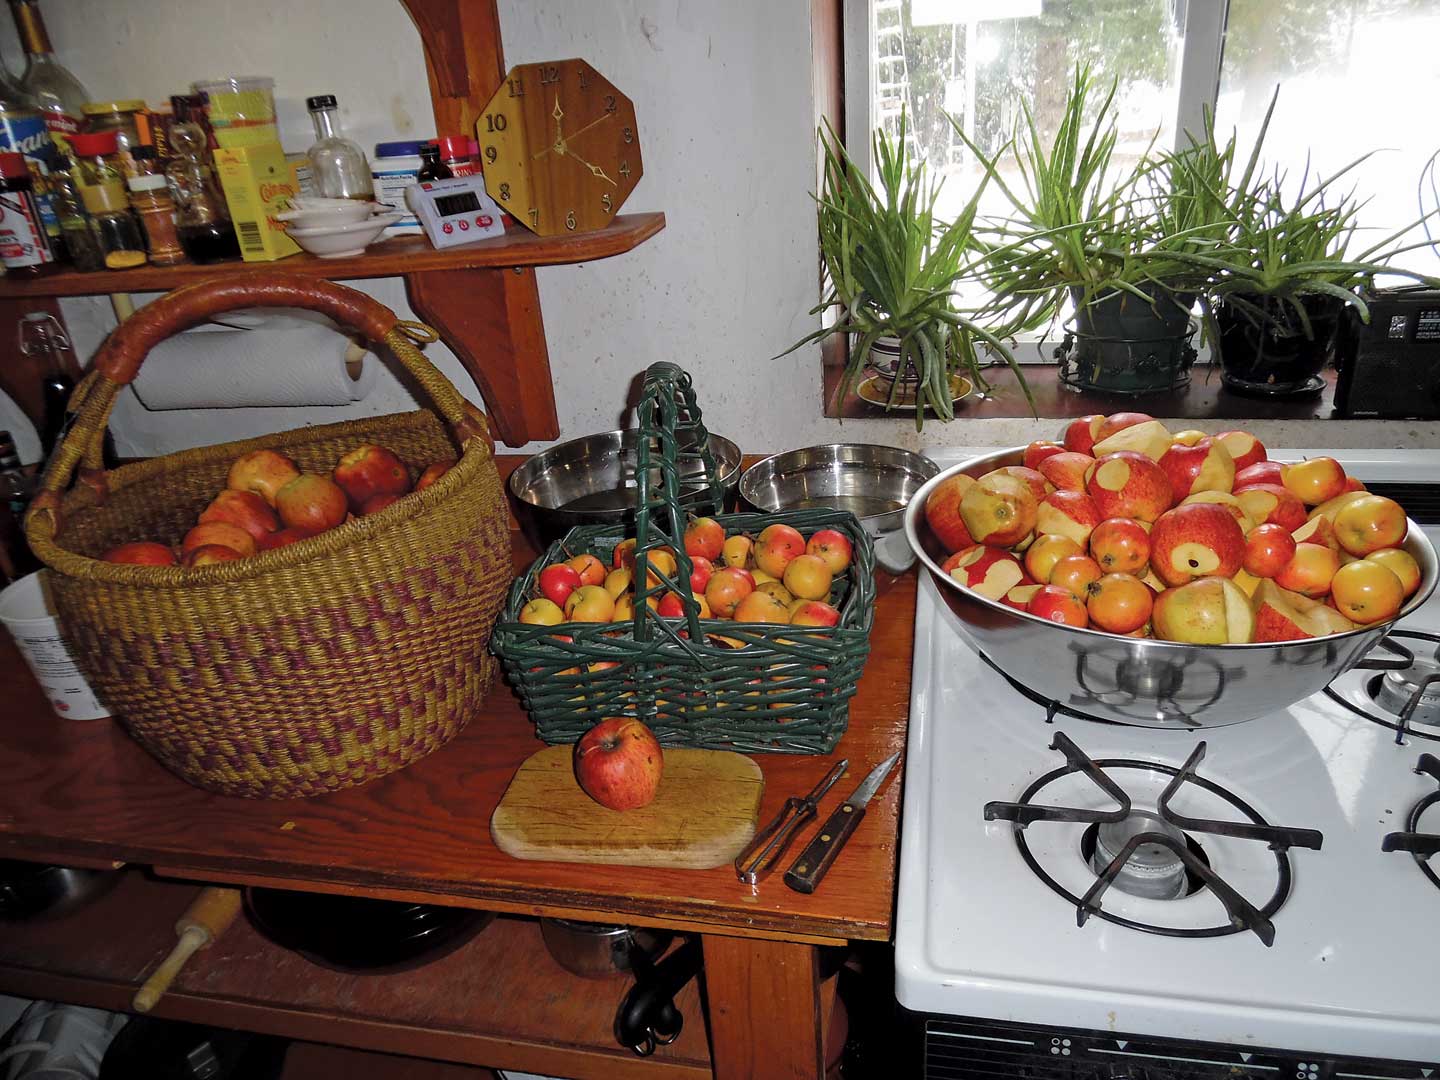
[241,110]
[151,201]
[97,157]
[393,169]
[24,247]
[126,119]
[455,153]
[119,233]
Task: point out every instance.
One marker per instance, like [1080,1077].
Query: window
[1355,75]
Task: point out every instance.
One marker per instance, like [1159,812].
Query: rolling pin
[207,917]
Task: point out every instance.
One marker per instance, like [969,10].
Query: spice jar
[455,153]
[125,119]
[120,237]
[97,157]
[24,247]
[150,199]
[81,245]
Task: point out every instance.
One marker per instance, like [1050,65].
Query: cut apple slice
[1150,438]
[1282,615]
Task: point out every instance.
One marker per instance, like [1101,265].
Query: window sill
[1205,398]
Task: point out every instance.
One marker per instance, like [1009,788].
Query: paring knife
[764,851]
[806,872]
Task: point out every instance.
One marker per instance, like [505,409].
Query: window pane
[978,59]
[1354,75]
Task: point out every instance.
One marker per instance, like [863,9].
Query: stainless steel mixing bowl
[591,481]
[1141,680]
[875,483]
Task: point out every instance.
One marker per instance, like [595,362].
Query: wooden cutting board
[703,815]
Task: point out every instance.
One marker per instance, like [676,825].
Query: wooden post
[764,1003]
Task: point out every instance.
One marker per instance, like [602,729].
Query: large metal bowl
[591,481]
[875,483]
[1141,680]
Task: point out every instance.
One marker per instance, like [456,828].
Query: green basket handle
[672,434]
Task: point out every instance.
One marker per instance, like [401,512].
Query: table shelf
[499,1001]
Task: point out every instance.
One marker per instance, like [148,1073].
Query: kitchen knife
[806,871]
[761,854]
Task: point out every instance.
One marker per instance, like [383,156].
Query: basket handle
[124,351]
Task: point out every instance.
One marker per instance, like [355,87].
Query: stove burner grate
[1243,914]
[1420,845]
[1425,687]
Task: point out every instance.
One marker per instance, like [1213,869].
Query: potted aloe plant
[1075,231]
[1280,289]
[892,266]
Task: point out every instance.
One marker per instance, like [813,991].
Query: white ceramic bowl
[307,215]
[338,241]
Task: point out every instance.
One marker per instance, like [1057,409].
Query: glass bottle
[81,244]
[431,167]
[201,217]
[97,157]
[339,166]
[119,233]
[23,130]
[150,199]
[58,94]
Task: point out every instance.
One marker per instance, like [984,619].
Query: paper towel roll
[285,363]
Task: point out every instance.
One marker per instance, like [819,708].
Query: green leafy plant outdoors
[892,267]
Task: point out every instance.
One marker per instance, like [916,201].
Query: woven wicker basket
[710,683]
[307,668]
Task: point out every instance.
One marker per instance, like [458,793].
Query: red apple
[1188,437]
[375,503]
[942,512]
[141,553]
[209,554]
[1121,545]
[1195,541]
[624,554]
[618,763]
[1314,480]
[1066,470]
[1075,574]
[371,470]
[1129,484]
[1150,438]
[242,508]
[1317,530]
[1271,504]
[1037,452]
[1228,501]
[814,613]
[1055,604]
[1039,486]
[282,538]
[218,532]
[1206,466]
[557,581]
[759,607]
[592,571]
[433,472]
[1367,592]
[1119,421]
[1020,596]
[1067,513]
[1080,433]
[833,546]
[700,570]
[1281,615]
[776,547]
[989,571]
[261,472]
[1353,484]
[1119,603]
[1045,552]
[999,509]
[311,502]
[726,588]
[1310,570]
[1268,550]
[1262,472]
[1206,611]
[705,537]
[1370,523]
[1245,450]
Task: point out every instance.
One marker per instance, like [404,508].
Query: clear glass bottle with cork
[57,93]
[338,165]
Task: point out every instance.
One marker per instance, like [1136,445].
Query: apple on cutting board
[618,763]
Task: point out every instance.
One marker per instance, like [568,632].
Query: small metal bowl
[875,483]
[591,481]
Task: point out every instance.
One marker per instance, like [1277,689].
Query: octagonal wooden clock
[559,147]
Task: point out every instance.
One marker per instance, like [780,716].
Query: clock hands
[558,145]
[587,127]
[561,146]
[595,169]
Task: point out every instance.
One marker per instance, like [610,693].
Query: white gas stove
[1331,963]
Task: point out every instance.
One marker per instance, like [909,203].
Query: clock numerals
[624,168]
[491,154]
[628,135]
[549,73]
[517,87]
[584,79]
[570,222]
[610,105]
[495,122]
[605,202]
[504,192]
[534,216]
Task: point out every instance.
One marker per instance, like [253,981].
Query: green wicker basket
[712,683]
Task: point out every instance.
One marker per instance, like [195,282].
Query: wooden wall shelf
[499,1000]
[397,257]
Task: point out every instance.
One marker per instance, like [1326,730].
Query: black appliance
[1394,373]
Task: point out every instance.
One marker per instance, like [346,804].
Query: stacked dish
[335,228]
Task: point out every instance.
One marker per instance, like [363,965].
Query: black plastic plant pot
[1264,347]
[1122,344]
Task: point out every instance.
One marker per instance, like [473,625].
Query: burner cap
[1152,871]
[1396,689]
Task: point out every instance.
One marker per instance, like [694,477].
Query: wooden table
[85,794]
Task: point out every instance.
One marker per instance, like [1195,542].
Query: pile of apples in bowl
[1124,532]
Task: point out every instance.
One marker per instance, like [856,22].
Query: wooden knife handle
[806,872]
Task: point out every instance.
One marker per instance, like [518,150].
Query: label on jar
[390,188]
[26,133]
[22,236]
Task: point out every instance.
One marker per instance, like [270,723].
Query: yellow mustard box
[258,184]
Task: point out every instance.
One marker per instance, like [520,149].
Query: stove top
[1268,833]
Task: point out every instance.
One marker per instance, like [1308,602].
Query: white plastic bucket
[26,612]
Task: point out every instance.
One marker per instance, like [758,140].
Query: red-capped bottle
[455,153]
